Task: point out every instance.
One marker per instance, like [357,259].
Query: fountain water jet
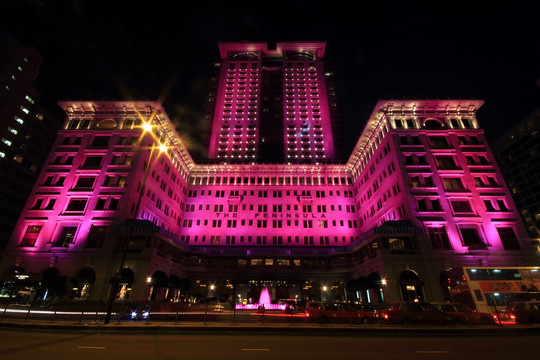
[264,298]
[264,301]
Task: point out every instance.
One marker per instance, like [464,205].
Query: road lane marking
[92,347]
[433,352]
[254,349]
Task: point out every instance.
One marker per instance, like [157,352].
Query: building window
[277,240]
[107,203]
[31,235]
[323,224]
[38,204]
[439,142]
[115,181]
[421,181]
[76,205]
[439,238]
[461,206]
[429,205]
[85,183]
[500,205]
[53,180]
[453,184]
[471,238]
[66,237]
[96,236]
[92,162]
[446,163]
[508,238]
[100,142]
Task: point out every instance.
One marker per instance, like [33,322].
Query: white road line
[92,347]
[433,352]
[254,349]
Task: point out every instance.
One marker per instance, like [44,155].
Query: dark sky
[164,50]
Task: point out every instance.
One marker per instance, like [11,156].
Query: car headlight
[133,314]
[145,314]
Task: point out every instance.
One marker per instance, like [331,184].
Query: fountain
[264,302]
[264,298]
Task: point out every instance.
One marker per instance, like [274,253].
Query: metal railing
[87,312]
[123,312]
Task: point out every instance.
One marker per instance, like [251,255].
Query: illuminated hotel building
[122,202]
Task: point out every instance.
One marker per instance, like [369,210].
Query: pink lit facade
[419,195]
[105,168]
[428,162]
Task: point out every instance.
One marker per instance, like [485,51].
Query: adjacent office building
[27,129]
[518,155]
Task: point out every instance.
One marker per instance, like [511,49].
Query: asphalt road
[20,344]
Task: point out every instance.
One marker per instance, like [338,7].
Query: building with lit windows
[518,156]
[122,207]
[273,105]
[27,129]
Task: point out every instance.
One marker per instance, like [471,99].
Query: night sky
[157,50]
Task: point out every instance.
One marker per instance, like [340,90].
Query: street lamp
[146,128]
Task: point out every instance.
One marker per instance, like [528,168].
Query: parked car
[421,313]
[135,312]
[290,305]
[466,315]
[336,312]
[520,312]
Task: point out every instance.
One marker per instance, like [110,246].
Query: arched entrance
[177,288]
[411,286]
[52,284]
[158,281]
[352,289]
[184,288]
[362,289]
[375,291]
[121,283]
[82,283]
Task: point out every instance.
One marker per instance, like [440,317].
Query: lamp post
[146,128]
